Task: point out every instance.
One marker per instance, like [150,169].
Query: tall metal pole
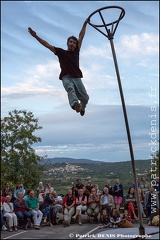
[141,228]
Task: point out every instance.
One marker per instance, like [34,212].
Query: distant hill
[68,160]
[80,160]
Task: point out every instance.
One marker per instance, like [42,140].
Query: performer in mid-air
[70,72]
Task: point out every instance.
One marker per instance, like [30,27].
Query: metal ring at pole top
[108,24]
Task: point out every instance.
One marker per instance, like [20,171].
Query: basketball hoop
[110,28]
[112,23]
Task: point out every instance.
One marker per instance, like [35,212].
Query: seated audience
[45,208]
[8,210]
[115,218]
[22,212]
[69,202]
[33,206]
[126,220]
[57,207]
[93,205]
[106,201]
[105,219]
[131,203]
[81,205]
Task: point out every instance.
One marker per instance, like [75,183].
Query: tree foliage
[18,159]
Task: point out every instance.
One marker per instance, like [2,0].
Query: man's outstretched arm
[43,42]
[82,33]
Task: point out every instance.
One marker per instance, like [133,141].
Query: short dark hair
[74,38]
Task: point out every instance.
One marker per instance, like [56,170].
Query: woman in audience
[131,203]
[45,208]
[9,213]
[69,202]
[93,205]
[81,205]
[22,211]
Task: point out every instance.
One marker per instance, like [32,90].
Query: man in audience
[106,201]
[33,206]
[57,207]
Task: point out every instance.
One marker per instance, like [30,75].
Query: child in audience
[115,218]
[126,220]
[105,220]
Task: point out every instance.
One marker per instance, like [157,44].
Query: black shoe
[82,112]
[77,107]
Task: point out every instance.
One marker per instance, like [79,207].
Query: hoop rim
[108,24]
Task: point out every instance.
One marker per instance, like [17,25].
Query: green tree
[18,159]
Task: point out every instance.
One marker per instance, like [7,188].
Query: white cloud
[138,46]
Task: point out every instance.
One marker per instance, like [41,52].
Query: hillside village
[69,168]
[63,174]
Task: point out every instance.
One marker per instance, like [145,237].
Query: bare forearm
[43,42]
[83,30]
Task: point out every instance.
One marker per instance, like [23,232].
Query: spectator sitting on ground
[108,185]
[8,210]
[57,207]
[81,205]
[93,205]
[22,212]
[115,218]
[69,202]
[19,188]
[118,193]
[105,219]
[6,189]
[126,220]
[131,203]
[33,206]
[106,201]
[49,188]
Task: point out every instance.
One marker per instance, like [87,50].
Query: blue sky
[30,77]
